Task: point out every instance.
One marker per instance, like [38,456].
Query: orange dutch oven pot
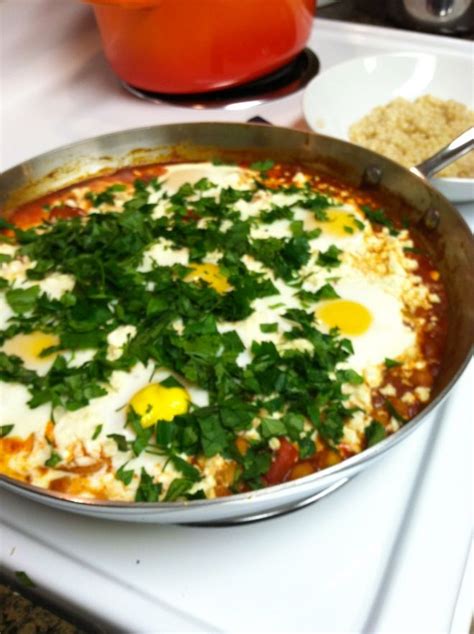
[192,46]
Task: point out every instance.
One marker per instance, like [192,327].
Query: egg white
[5,312]
[161,253]
[223,176]
[387,336]
[14,409]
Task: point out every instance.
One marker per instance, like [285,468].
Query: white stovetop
[387,553]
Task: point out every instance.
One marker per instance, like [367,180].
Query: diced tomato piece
[65,212]
[191,215]
[345,451]
[286,456]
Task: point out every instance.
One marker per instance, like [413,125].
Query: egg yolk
[156,402]
[210,274]
[350,317]
[339,223]
[30,346]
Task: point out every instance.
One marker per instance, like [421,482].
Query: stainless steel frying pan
[444,232]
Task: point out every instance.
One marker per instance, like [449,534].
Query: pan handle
[460,146]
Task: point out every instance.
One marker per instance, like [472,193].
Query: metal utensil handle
[440,8]
[460,146]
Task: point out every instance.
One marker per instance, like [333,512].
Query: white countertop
[386,553]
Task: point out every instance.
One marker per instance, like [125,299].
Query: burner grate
[284,81]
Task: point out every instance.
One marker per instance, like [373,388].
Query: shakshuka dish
[190,331]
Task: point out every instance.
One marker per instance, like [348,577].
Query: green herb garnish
[124,475]
[53,460]
[374,433]
[5,430]
[269,327]
[24,579]
[330,258]
[393,412]
[272,427]
[120,441]
[148,490]
[262,166]
[97,431]
[378,217]
[391,363]
[106,196]
[325,292]
[22,300]
[178,325]
[177,489]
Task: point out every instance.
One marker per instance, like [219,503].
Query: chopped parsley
[187,469]
[330,258]
[254,464]
[22,300]
[271,427]
[282,390]
[391,363]
[53,460]
[124,475]
[374,433]
[262,166]
[5,430]
[325,292]
[294,424]
[105,197]
[269,327]
[142,434]
[276,213]
[284,255]
[394,412]
[97,431]
[178,489]
[148,490]
[307,448]
[378,217]
[24,579]
[414,250]
[120,441]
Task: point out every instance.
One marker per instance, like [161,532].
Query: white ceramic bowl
[342,95]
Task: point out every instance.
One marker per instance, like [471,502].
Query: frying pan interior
[445,234]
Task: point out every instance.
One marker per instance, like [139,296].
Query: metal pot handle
[460,146]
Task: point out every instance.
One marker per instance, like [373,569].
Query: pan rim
[338,470]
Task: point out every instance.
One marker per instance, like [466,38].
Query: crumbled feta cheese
[274,444]
[117,339]
[423,393]
[388,390]
[408,398]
